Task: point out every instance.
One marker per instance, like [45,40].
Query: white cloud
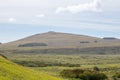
[40,15]
[94,6]
[12,20]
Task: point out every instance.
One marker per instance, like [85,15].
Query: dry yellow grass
[58,40]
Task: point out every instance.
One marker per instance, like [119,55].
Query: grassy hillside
[11,71]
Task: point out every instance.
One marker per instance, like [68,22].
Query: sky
[21,18]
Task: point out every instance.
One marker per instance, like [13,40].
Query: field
[53,64]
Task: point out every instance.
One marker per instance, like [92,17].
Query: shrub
[116,76]
[84,42]
[96,68]
[43,64]
[83,74]
[31,63]
[95,41]
[32,44]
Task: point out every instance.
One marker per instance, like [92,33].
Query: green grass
[108,64]
[12,71]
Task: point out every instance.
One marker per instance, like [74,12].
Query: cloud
[40,16]
[12,20]
[94,6]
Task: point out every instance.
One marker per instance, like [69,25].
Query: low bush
[116,76]
[32,44]
[83,74]
[96,68]
[84,42]
[43,64]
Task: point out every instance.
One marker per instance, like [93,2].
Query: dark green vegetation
[42,64]
[84,42]
[96,68]
[32,44]
[116,76]
[109,38]
[83,74]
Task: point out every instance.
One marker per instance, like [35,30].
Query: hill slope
[57,42]
[11,71]
[54,39]
[57,39]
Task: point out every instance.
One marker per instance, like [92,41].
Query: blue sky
[21,18]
